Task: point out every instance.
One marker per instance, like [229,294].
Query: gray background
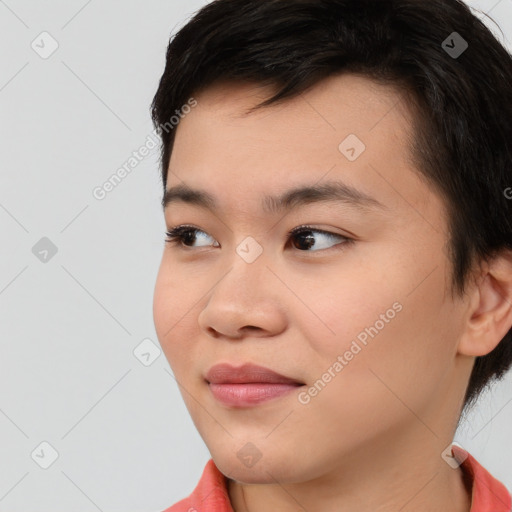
[70,321]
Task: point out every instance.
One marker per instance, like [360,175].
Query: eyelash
[176,236]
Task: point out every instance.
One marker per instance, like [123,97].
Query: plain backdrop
[83,387]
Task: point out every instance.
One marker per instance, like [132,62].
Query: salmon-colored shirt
[488,494]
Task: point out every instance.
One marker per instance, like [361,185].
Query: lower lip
[248,394]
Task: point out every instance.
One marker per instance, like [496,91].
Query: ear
[490,309]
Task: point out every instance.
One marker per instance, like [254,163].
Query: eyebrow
[299,196]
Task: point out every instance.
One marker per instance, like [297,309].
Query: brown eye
[308,237]
[186,236]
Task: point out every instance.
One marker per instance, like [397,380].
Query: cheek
[164,299]
[382,321]
[173,311]
[347,307]
[402,366]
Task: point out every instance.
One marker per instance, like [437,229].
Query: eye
[185,236]
[306,238]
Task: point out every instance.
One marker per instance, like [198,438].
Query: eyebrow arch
[302,195]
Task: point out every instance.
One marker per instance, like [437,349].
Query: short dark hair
[462,140]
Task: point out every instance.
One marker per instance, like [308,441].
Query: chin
[266,470]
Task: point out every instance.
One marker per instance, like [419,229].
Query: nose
[246,301]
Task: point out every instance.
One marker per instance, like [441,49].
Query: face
[355,307]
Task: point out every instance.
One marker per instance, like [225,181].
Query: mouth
[248,384]
[246,374]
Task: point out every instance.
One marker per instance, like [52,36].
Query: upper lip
[248,372]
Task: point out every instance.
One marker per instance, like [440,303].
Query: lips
[248,385]
[245,374]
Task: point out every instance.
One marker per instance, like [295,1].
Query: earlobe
[490,310]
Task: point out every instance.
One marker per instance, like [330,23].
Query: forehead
[240,157]
[334,108]
[354,95]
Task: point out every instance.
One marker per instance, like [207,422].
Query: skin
[372,439]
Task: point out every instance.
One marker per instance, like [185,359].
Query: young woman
[336,289]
